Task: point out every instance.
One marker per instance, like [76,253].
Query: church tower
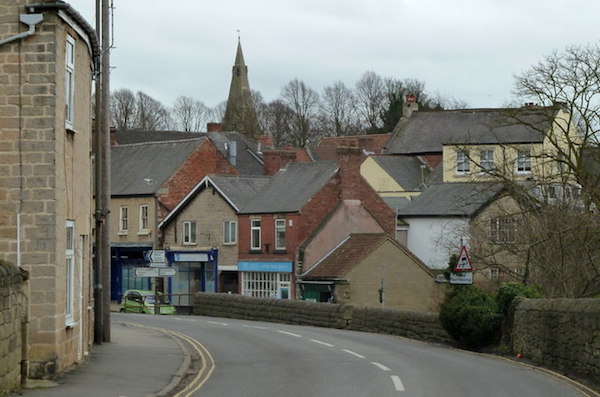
[240,114]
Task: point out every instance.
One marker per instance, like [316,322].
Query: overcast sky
[465,49]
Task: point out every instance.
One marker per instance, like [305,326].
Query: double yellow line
[206,369]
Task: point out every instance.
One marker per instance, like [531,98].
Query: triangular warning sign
[464,262]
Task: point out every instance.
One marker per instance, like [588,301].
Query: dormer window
[523,161]
[463,164]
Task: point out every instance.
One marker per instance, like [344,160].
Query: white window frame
[189,232]
[123,220]
[486,160]
[503,230]
[69,81]
[463,163]
[69,270]
[255,235]
[523,162]
[266,284]
[143,219]
[229,232]
[280,241]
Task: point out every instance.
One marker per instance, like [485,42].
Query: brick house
[46,175]
[290,208]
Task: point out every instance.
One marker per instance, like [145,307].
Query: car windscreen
[161,299]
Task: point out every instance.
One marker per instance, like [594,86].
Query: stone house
[205,222]
[373,269]
[46,175]
[148,180]
[480,152]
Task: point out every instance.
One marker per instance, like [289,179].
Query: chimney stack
[214,127]
[349,159]
[409,106]
[274,160]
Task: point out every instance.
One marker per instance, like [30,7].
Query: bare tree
[304,102]
[554,229]
[338,106]
[276,119]
[189,114]
[123,109]
[370,94]
[151,114]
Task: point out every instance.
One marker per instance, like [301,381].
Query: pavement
[137,362]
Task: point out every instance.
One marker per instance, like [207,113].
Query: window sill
[123,233]
[280,251]
[144,233]
[71,324]
[255,252]
[189,244]
[230,244]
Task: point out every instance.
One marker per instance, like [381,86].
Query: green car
[142,301]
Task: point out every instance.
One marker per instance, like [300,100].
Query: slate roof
[240,190]
[291,188]
[248,160]
[237,190]
[427,131]
[142,168]
[338,263]
[405,170]
[451,199]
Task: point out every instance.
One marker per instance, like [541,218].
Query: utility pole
[102,255]
[98,215]
[105,194]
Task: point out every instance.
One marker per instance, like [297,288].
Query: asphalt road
[245,358]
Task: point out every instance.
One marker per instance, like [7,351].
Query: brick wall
[561,334]
[13,315]
[205,160]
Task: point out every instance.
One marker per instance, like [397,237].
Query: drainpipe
[27,19]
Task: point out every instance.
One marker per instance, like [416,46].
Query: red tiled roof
[374,143]
[346,256]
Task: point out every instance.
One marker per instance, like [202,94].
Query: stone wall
[561,334]
[386,321]
[13,314]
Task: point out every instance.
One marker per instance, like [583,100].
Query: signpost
[145,272]
[463,270]
[157,258]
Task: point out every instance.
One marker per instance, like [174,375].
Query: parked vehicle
[143,301]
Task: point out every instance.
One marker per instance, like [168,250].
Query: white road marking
[216,322]
[380,366]
[322,343]
[397,383]
[253,326]
[290,333]
[353,353]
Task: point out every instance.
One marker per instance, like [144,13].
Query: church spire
[240,114]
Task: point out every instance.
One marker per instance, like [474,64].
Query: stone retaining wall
[13,314]
[561,334]
[387,321]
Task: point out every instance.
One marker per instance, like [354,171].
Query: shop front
[195,271]
[266,279]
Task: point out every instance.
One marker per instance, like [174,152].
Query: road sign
[145,272]
[157,258]
[167,272]
[464,262]
[461,278]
